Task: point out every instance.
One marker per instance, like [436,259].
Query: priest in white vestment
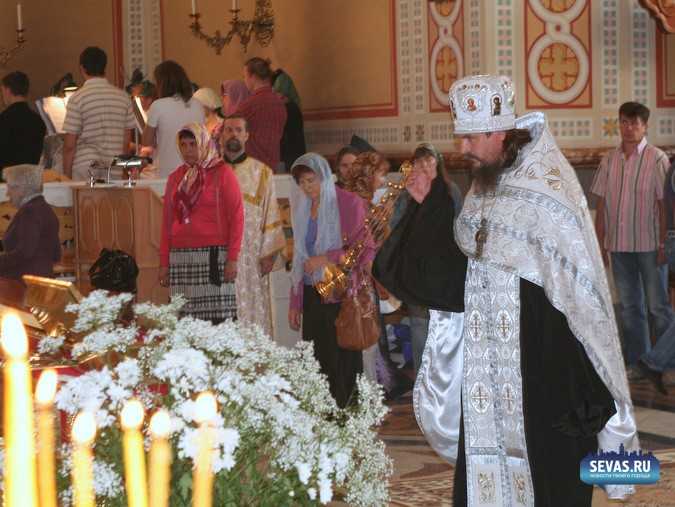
[542,382]
[263,237]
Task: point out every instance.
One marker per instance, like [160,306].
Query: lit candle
[18,15]
[84,432]
[134,455]
[44,395]
[160,459]
[194,6]
[205,410]
[20,475]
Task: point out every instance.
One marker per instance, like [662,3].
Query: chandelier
[7,54]
[261,26]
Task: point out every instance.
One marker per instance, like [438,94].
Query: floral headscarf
[187,196]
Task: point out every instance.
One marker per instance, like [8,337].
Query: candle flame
[206,407]
[46,388]
[132,414]
[160,424]
[14,339]
[84,427]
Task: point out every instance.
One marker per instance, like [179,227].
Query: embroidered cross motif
[479,397]
[504,325]
[475,325]
[509,399]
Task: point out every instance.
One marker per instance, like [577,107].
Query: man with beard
[263,236]
[543,383]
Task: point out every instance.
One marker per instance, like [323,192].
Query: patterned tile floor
[421,478]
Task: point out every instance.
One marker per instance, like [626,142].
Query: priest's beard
[486,177]
[233,145]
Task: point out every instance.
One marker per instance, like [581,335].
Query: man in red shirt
[264,112]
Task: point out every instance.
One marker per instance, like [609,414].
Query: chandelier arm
[261,27]
[7,54]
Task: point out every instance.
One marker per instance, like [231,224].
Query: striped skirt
[189,270]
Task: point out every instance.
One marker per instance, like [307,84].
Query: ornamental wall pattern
[574,59]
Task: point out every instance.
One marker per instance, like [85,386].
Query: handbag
[114,270]
[357,323]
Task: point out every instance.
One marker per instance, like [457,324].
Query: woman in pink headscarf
[203,223]
[233,93]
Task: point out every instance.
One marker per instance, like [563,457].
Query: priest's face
[485,152]
[234,135]
[484,149]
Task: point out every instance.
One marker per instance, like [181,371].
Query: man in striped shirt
[99,120]
[630,224]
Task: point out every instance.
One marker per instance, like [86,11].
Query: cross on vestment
[479,397]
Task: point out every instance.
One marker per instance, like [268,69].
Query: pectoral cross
[481,237]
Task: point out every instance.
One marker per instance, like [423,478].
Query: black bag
[114,270]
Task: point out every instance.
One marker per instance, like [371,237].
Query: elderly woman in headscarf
[420,262]
[212,107]
[292,143]
[31,243]
[202,227]
[321,216]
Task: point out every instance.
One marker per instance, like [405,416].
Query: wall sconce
[7,54]
[261,26]
[65,86]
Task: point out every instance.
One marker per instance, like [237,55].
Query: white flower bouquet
[281,439]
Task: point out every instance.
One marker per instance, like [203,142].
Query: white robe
[263,237]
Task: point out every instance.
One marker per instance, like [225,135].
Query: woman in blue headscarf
[322,215]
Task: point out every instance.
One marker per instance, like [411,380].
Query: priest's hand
[295,318]
[266,265]
[230,271]
[163,276]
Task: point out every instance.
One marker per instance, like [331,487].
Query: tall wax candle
[206,408]
[18,16]
[44,396]
[134,454]
[84,432]
[20,473]
[160,459]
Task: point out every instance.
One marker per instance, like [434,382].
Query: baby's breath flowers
[280,437]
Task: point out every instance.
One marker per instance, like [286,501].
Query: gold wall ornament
[261,27]
[7,54]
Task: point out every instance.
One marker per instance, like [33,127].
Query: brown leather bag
[357,323]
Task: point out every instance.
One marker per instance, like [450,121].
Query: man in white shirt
[99,120]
